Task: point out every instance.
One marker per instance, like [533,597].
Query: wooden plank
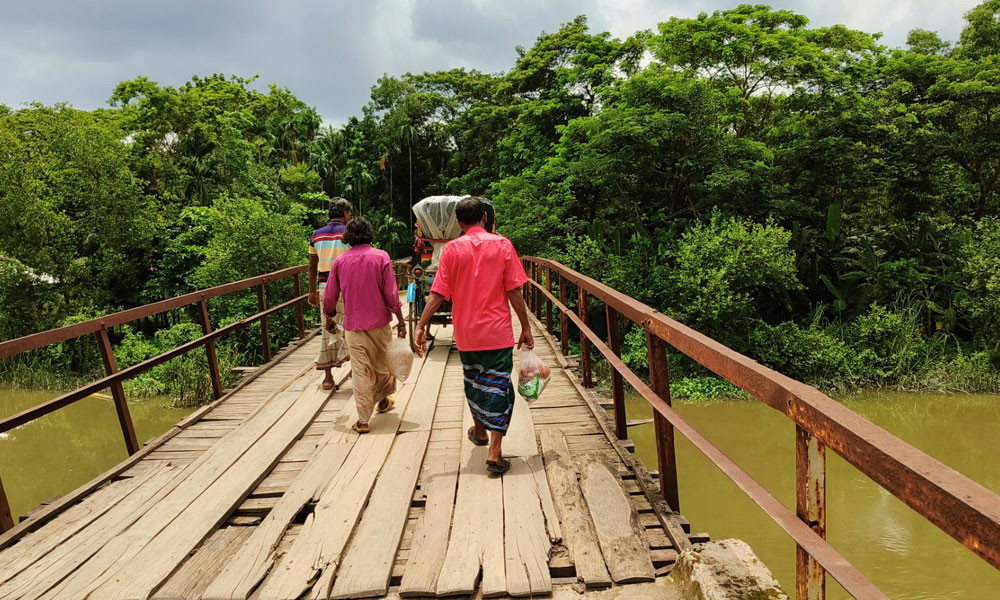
[250,564]
[577,529]
[190,484]
[321,542]
[37,580]
[552,524]
[476,539]
[152,565]
[190,580]
[520,438]
[617,525]
[39,543]
[367,565]
[526,544]
[430,540]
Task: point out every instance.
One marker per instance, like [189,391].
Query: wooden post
[617,387]
[264,331]
[666,458]
[548,303]
[584,342]
[213,359]
[298,306]
[810,506]
[117,392]
[563,319]
[537,276]
[526,288]
[6,518]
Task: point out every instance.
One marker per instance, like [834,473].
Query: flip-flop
[498,468]
[390,402]
[472,438]
[361,428]
[328,385]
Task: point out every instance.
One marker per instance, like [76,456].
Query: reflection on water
[897,549]
[67,448]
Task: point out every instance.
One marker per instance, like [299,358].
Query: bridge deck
[270,495]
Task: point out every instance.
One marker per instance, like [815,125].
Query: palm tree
[405,133]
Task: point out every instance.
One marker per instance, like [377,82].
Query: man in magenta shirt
[364,277]
[481,274]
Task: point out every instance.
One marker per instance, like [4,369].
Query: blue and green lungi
[488,388]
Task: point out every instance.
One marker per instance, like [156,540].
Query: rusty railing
[957,505]
[114,377]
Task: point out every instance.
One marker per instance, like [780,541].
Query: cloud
[330,53]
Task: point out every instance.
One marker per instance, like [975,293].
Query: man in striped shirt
[325,245]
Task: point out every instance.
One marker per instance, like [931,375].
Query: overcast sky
[330,52]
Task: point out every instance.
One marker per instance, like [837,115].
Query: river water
[898,550]
[63,450]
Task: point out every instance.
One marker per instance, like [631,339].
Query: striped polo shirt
[327,243]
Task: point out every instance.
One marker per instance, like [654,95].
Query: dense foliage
[807,195]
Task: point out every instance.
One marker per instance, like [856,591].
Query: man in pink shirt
[481,274]
[364,277]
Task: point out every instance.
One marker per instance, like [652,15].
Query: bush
[704,388]
[809,354]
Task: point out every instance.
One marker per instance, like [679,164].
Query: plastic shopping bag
[400,358]
[532,376]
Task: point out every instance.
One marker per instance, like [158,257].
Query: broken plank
[526,544]
[617,525]
[577,528]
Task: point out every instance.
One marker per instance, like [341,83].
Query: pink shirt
[364,276]
[475,272]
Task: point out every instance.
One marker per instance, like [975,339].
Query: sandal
[389,401]
[498,468]
[328,385]
[361,428]
[474,439]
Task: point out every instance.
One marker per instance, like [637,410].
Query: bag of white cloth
[532,376]
[400,358]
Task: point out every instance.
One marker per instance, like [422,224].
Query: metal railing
[114,377]
[957,505]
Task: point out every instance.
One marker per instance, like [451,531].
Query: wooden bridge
[267,494]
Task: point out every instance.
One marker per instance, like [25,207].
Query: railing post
[117,391]
[298,306]
[617,388]
[213,359]
[537,276]
[584,342]
[666,458]
[526,288]
[810,506]
[563,319]
[264,331]
[548,302]
[6,518]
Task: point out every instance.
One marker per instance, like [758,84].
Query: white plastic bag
[532,376]
[400,358]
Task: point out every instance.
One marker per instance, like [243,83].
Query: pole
[213,359]
[810,506]
[617,387]
[264,330]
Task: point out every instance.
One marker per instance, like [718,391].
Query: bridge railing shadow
[954,503]
[114,377]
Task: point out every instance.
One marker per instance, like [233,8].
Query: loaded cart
[436,226]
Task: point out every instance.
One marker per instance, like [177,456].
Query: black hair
[358,231]
[339,207]
[470,211]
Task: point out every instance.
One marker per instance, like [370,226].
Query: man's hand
[401,330]
[331,325]
[313,299]
[526,340]
[420,341]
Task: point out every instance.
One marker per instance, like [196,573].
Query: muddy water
[65,449]
[900,552]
